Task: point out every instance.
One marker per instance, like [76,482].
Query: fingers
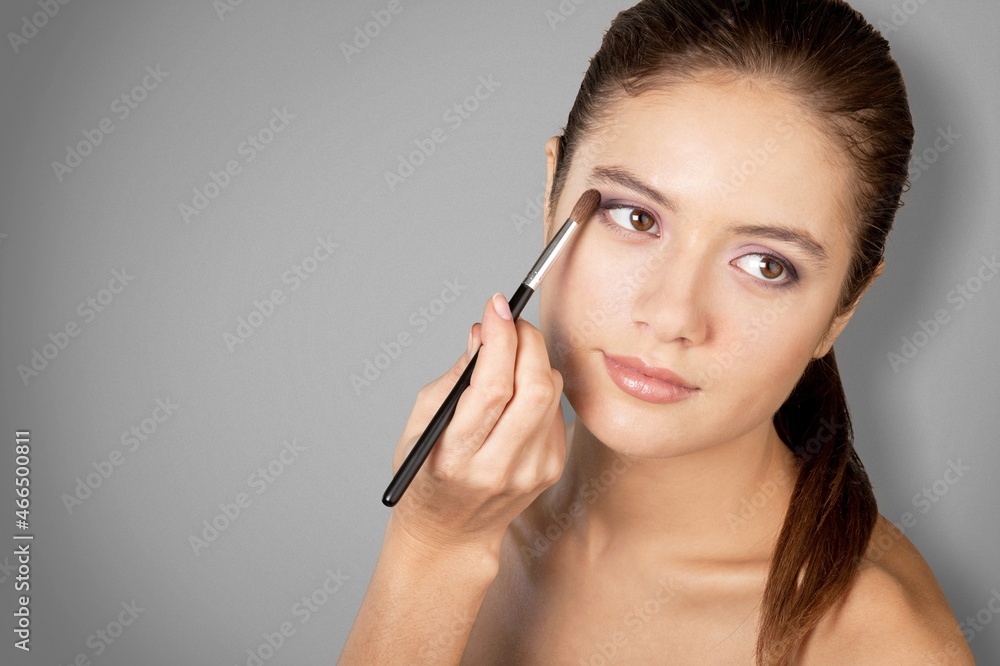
[548,461]
[475,340]
[533,407]
[512,377]
[460,440]
[505,442]
[492,383]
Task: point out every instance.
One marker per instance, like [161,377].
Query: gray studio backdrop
[216,309]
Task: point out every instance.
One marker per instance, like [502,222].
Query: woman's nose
[670,297]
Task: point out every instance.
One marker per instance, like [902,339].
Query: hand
[505,444]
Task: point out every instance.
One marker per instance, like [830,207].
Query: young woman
[707,506]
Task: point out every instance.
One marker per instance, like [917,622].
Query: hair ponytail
[831,513]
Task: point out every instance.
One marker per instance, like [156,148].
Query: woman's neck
[725,503]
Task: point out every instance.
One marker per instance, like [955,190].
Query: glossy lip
[646,382]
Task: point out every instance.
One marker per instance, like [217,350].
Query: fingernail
[468,349]
[501,306]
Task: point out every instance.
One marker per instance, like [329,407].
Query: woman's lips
[646,382]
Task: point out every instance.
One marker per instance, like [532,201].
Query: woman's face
[718,253]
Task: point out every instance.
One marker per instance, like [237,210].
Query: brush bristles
[585,206]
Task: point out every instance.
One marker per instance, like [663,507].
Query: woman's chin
[633,437]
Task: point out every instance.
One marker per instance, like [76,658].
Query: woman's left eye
[766,267]
[631,218]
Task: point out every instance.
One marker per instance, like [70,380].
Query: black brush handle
[418,454]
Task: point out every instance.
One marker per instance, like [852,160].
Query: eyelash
[787,267]
[793,276]
[617,228]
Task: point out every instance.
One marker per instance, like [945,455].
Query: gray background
[453,219]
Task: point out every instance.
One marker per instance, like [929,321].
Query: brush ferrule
[550,253]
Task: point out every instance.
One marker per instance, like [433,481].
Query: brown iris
[770,268]
[641,220]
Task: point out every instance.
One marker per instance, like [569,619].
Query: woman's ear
[840,322]
[551,159]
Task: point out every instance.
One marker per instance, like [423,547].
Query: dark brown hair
[839,69]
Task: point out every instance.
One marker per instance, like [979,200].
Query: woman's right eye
[631,218]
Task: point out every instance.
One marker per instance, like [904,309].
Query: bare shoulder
[894,612]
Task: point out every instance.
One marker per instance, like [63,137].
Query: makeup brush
[584,208]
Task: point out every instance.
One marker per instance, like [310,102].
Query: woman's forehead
[737,147]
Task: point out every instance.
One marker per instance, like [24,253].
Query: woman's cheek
[775,364]
[567,338]
[610,285]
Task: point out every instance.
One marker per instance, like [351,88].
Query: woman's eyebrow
[627,179]
[795,236]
